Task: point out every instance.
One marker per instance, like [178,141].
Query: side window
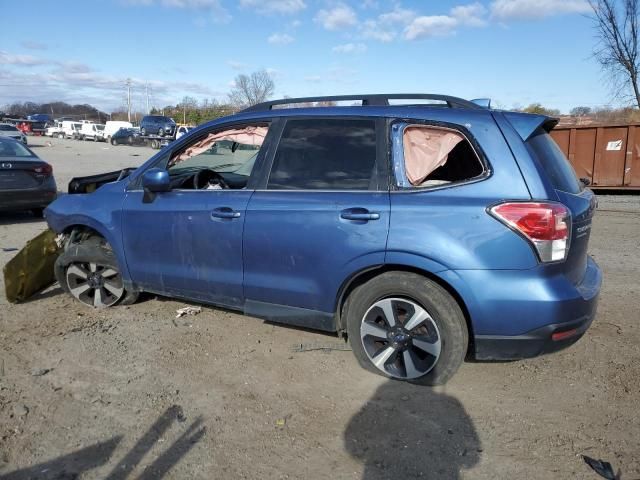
[325,154]
[228,154]
[426,156]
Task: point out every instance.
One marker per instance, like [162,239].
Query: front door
[188,242]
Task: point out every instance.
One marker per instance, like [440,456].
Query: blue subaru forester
[424,228]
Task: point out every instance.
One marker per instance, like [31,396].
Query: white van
[92,131]
[112,126]
[70,129]
[55,131]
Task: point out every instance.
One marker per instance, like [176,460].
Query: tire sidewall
[440,305]
[89,252]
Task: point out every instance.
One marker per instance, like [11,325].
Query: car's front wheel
[402,325]
[90,273]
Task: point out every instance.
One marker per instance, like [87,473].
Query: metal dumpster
[607,155]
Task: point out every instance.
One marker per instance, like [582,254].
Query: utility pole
[128,84]
[147,93]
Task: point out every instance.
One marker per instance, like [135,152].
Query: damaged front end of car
[31,270]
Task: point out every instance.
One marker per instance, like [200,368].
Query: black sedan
[127,136]
[26,182]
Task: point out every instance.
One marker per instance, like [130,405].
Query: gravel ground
[133,392]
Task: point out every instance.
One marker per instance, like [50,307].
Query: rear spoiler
[527,123]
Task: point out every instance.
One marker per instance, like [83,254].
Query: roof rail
[367,100]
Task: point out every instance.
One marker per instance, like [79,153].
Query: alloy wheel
[95,285]
[400,338]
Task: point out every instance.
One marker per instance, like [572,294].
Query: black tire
[143,131]
[38,212]
[95,139]
[444,312]
[130,140]
[154,144]
[161,132]
[114,142]
[61,136]
[93,250]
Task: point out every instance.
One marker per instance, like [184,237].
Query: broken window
[433,156]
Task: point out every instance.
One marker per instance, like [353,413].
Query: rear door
[580,201]
[322,212]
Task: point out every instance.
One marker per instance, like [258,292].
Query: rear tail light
[44,169]
[547,226]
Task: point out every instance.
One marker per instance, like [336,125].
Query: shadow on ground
[408,431]
[74,465]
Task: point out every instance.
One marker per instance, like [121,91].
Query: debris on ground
[31,270]
[602,468]
[20,410]
[325,347]
[188,311]
[39,372]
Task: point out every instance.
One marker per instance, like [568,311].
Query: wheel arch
[366,274]
[95,229]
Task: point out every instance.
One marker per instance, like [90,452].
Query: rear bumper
[13,200]
[522,314]
[533,343]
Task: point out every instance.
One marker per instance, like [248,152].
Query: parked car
[11,131]
[127,136]
[422,232]
[112,126]
[92,131]
[26,182]
[157,125]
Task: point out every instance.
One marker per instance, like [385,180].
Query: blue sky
[513,51]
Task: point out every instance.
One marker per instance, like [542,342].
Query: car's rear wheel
[90,273]
[130,140]
[404,326]
[38,212]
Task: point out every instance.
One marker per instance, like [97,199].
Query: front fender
[100,211]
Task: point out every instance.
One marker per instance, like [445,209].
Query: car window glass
[231,150]
[325,154]
[13,149]
[8,128]
[562,175]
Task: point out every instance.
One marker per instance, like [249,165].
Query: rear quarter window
[554,163]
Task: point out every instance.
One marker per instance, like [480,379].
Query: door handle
[225,212]
[361,214]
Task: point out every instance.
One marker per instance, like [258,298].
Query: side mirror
[156,180]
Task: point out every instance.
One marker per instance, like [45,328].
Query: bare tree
[251,89]
[617,51]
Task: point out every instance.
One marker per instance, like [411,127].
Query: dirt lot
[134,392]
